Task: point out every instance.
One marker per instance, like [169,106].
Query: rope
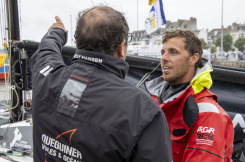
[3,22]
[147,75]
[18,153]
[6,156]
[13,88]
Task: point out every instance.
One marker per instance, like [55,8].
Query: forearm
[50,46]
[49,50]
[54,39]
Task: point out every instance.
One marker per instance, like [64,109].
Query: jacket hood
[203,78]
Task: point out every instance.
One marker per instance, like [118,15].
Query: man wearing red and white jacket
[201,130]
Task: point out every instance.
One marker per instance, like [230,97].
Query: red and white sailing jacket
[201,131]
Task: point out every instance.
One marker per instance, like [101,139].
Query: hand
[58,24]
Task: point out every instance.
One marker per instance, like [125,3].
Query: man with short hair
[86,111]
[200,130]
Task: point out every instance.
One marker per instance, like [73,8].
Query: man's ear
[194,58]
[120,50]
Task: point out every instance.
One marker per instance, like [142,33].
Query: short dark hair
[192,42]
[100,29]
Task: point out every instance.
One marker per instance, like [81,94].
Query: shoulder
[145,98]
[211,112]
[142,100]
[209,104]
[205,107]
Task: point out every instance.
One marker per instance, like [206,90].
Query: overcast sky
[38,15]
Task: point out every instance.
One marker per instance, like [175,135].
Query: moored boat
[4,67]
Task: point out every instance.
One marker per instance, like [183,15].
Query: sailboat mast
[16,78]
[13,20]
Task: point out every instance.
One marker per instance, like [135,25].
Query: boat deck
[5,156]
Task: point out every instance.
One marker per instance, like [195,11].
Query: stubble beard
[176,74]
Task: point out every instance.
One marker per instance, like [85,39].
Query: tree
[213,49]
[227,42]
[240,44]
[204,44]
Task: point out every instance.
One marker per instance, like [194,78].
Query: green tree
[213,49]
[240,44]
[227,42]
[204,44]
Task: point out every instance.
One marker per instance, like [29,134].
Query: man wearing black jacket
[86,112]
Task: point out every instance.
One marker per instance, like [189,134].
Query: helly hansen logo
[45,71]
[91,59]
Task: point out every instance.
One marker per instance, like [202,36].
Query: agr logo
[205,129]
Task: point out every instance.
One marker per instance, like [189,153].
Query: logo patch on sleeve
[45,71]
[205,135]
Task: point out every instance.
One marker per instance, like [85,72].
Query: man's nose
[165,57]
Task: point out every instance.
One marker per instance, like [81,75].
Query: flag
[151,2]
[156,17]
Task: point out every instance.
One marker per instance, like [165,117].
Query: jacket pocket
[70,96]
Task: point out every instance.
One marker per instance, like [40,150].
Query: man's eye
[174,52]
[162,52]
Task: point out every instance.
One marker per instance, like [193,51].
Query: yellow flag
[151,2]
[156,17]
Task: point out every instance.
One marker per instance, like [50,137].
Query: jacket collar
[156,86]
[202,79]
[107,62]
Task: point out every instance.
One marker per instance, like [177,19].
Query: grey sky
[38,15]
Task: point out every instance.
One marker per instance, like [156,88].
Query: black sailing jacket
[86,112]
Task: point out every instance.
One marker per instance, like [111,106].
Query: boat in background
[4,67]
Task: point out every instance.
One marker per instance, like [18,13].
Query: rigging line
[5,22]
[20,20]
[10,51]
[137,24]
[147,75]
[1,33]
[92,2]
[2,21]
[4,35]
[3,18]
[137,15]
[71,30]
[8,37]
